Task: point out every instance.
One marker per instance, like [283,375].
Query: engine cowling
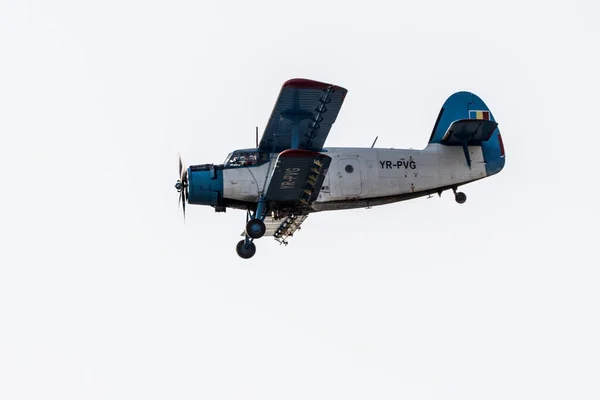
[205,185]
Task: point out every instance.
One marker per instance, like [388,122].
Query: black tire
[245,250]
[255,228]
[460,197]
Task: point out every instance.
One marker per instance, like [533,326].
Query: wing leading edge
[303,115]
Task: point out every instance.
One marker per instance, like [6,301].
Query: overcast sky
[106,294]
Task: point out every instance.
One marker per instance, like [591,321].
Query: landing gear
[245,249]
[460,197]
[255,228]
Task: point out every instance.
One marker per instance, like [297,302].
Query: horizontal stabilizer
[469,132]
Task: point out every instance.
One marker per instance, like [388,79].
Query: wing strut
[295,134]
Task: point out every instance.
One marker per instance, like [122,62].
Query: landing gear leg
[255,227]
[460,197]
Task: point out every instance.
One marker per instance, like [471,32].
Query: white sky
[105,294]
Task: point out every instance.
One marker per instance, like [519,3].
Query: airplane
[290,174]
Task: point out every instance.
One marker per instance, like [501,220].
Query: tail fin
[453,127]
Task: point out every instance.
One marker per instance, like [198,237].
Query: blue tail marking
[466,105]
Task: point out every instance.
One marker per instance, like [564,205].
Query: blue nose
[205,185]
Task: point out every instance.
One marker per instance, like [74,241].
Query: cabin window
[349,168]
[245,158]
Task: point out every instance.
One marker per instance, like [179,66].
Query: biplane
[291,174]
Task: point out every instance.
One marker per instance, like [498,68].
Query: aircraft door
[350,178]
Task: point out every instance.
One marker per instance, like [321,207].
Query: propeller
[182,186]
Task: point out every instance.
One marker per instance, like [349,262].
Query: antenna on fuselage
[257,137]
[374,141]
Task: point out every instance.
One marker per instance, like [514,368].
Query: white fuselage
[360,177]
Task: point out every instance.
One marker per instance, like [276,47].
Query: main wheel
[245,250]
[460,197]
[255,228]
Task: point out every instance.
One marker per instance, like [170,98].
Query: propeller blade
[184,201]
[182,185]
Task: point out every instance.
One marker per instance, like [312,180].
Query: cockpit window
[245,158]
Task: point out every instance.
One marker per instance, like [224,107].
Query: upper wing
[302,116]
